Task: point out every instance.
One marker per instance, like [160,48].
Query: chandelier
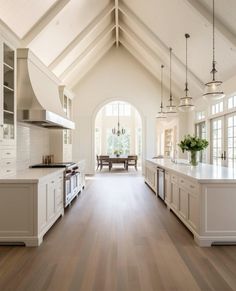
[213,89]
[171,108]
[186,101]
[161,114]
[117,131]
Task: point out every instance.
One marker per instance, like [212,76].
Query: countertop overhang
[30,175]
[202,173]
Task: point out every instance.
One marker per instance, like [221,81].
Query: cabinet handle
[8,171]
[8,163]
[191,186]
[52,182]
[8,153]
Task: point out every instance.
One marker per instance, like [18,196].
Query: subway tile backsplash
[32,144]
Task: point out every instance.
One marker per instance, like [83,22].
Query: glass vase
[193,158]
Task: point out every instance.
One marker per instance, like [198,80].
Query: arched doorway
[129,141]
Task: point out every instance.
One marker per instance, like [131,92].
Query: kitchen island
[203,198]
[30,203]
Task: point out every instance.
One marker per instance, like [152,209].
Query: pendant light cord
[170,76]
[186,83]
[162,66]
[213,41]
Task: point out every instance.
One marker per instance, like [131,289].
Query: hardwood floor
[118,236]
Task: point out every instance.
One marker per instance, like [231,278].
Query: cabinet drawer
[189,185]
[174,178]
[8,171]
[8,153]
[7,163]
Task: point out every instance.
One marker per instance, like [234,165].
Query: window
[114,142]
[232,102]
[200,131]
[217,141]
[231,141]
[111,109]
[200,115]
[217,108]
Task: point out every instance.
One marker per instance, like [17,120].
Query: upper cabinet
[8,94]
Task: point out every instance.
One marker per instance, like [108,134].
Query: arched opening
[107,139]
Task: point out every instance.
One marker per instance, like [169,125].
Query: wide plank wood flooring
[118,236]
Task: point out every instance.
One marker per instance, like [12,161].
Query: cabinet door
[183,203]
[9,73]
[167,187]
[59,193]
[193,210]
[42,206]
[174,196]
[51,200]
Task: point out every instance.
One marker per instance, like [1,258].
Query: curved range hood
[38,100]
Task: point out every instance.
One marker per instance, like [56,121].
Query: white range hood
[38,100]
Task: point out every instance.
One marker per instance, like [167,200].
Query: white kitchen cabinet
[151,175]
[28,210]
[167,187]
[7,108]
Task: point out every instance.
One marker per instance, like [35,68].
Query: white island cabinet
[30,203]
[203,197]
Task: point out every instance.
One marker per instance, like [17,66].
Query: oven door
[74,183]
[68,189]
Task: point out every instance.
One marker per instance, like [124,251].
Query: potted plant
[193,144]
[117,153]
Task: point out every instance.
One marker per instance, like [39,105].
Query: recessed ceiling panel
[74,17]
[21,15]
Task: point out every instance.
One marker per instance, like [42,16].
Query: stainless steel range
[72,185]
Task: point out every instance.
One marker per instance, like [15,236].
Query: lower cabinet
[28,210]
[184,200]
[151,175]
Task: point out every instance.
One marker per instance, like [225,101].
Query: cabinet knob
[52,182]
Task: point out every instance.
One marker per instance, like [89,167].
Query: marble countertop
[30,175]
[203,173]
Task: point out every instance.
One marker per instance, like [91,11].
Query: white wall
[32,144]
[118,76]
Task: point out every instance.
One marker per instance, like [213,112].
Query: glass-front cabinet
[7,107]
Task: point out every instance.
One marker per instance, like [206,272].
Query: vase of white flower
[193,144]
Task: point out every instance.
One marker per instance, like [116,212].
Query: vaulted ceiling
[71,36]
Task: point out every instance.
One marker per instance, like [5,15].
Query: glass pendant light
[171,108]
[118,131]
[213,89]
[161,114]
[186,101]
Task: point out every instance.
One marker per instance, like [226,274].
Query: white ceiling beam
[90,47]
[43,21]
[9,34]
[154,38]
[82,35]
[148,64]
[206,15]
[76,76]
[117,21]
[140,42]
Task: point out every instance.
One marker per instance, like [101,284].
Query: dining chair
[104,161]
[132,161]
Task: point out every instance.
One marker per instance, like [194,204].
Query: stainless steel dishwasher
[161,183]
